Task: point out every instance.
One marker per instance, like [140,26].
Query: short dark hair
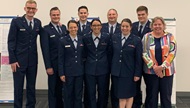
[95,19]
[71,21]
[53,8]
[142,8]
[82,7]
[127,20]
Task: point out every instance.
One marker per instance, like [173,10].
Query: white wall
[126,8]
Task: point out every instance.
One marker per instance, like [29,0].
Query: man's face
[112,16]
[31,9]
[142,16]
[83,14]
[55,16]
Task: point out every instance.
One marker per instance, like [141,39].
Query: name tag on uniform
[67,46]
[22,29]
[81,44]
[52,36]
[131,46]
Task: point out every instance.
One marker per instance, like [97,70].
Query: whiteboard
[6,76]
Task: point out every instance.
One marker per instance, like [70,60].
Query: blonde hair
[158,18]
[31,1]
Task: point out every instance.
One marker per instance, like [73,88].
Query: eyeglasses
[30,8]
[96,25]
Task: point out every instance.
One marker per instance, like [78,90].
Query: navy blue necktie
[111,31]
[58,28]
[140,31]
[30,26]
[96,38]
[83,27]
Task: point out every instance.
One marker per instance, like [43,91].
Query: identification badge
[67,46]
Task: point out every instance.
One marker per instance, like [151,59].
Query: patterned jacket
[169,48]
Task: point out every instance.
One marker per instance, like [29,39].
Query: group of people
[80,59]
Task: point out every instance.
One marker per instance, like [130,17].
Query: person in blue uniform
[126,63]
[97,46]
[70,62]
[23,57]
[83,23]
[49,44]
[112,27]
[140,28]
[83,28]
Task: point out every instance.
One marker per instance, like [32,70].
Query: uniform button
[29,46]
[96,54]
[120,55]
[76,61]
[96,49]
[121,50]
[75,56]
[75,51]
[96,59]
[120,61]
[30,41]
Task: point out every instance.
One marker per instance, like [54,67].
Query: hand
[62,78]
[158,71]
[60,24]
[49,71]
[136,78]
[157,68]
[14,66]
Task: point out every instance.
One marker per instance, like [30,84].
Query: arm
[61,58]
[149,62]
[138,59]
[172,53]
[12,41]
[44,42]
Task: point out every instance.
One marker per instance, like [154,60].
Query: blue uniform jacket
[145,30]
[127,59]
[105,28]
[86,30]
[22,44]
[70,59]
[49,44]
[97,62]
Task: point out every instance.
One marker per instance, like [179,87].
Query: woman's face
[96,27]
[125,28]
[158,26]
[73,28]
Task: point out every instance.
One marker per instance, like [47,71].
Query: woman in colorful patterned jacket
[159,51]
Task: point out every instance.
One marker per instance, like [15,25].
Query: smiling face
[158,26]
[125,28]
[112,16]
[72,28]
[55,16]
[83,14]
[96,27]
[142,16]
[30,9]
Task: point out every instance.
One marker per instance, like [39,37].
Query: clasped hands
[158,71]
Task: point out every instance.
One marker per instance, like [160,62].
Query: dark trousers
[96,84]
[155,85]
[114,99]
[30,72]
[55,91]
[85,95]
[72,93]
[137,102]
